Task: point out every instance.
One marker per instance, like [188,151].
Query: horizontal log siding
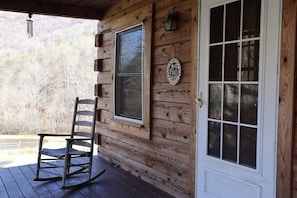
[164,159]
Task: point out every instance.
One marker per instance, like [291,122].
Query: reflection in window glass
[231,102]
[249,104]
[250,61]
[214,134]
[215,95]
[251,18]
[248,147]
[232,21]
[215,63]
[128,81]
[216,24]
[230,143]
[130,102]
[231,69]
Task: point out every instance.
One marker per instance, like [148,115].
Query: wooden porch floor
[19,181]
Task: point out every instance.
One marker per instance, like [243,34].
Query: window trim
[129,126]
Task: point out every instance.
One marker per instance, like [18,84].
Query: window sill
[128,121]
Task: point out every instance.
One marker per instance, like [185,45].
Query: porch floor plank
[12,189]
[3,192]
[19,182]
[24,185]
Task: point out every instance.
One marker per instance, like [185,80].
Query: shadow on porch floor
[19,182]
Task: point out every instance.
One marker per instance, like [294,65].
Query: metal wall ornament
[173,71]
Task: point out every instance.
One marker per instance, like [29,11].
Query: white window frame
[119,117]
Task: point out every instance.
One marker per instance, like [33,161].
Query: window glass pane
[230,142]
[129,100]
[216,24]
[250,61]
[215,95]
[232,21]
[249,104]
[231,102]
[130,51]
[251,18]
[248,147]
[231,62]
[214,135]
[128,77]
[215,63]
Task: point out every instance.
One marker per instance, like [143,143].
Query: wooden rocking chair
[77,156]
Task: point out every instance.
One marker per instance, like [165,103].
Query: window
[129,74]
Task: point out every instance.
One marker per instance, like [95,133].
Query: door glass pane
[251,18]
[230,142]
[214,136]
[215,95]
[248,147]
[215,63]
[250,61]
[231,102]
[249,104]
[232,29]
[216,24]
[231,70]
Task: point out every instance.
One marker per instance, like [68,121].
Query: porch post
[286,118]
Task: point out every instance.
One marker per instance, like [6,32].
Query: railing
[19,144]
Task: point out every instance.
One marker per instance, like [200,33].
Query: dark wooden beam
[54,9]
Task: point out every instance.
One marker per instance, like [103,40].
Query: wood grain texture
[166,159]
[171,111]
[286,95]
[146,173]
[19,182]
[167,93]
[193,95]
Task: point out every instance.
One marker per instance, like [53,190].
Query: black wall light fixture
[171,22]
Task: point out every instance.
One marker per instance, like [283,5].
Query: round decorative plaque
[173,71]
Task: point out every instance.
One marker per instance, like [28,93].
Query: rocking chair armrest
[42,135]
[52,135]
[77,139]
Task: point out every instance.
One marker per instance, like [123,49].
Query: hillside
[41,76]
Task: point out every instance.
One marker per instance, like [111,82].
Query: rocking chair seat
[61,152]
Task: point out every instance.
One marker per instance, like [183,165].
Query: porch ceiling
[86,9]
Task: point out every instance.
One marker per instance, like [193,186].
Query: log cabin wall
[166,158]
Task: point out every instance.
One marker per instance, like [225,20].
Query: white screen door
[237,111]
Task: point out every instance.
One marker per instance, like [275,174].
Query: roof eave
[54,9]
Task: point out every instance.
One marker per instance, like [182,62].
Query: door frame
[273,48]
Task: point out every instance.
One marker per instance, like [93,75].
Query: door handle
[199,100]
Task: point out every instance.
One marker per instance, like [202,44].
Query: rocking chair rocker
[77,156]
